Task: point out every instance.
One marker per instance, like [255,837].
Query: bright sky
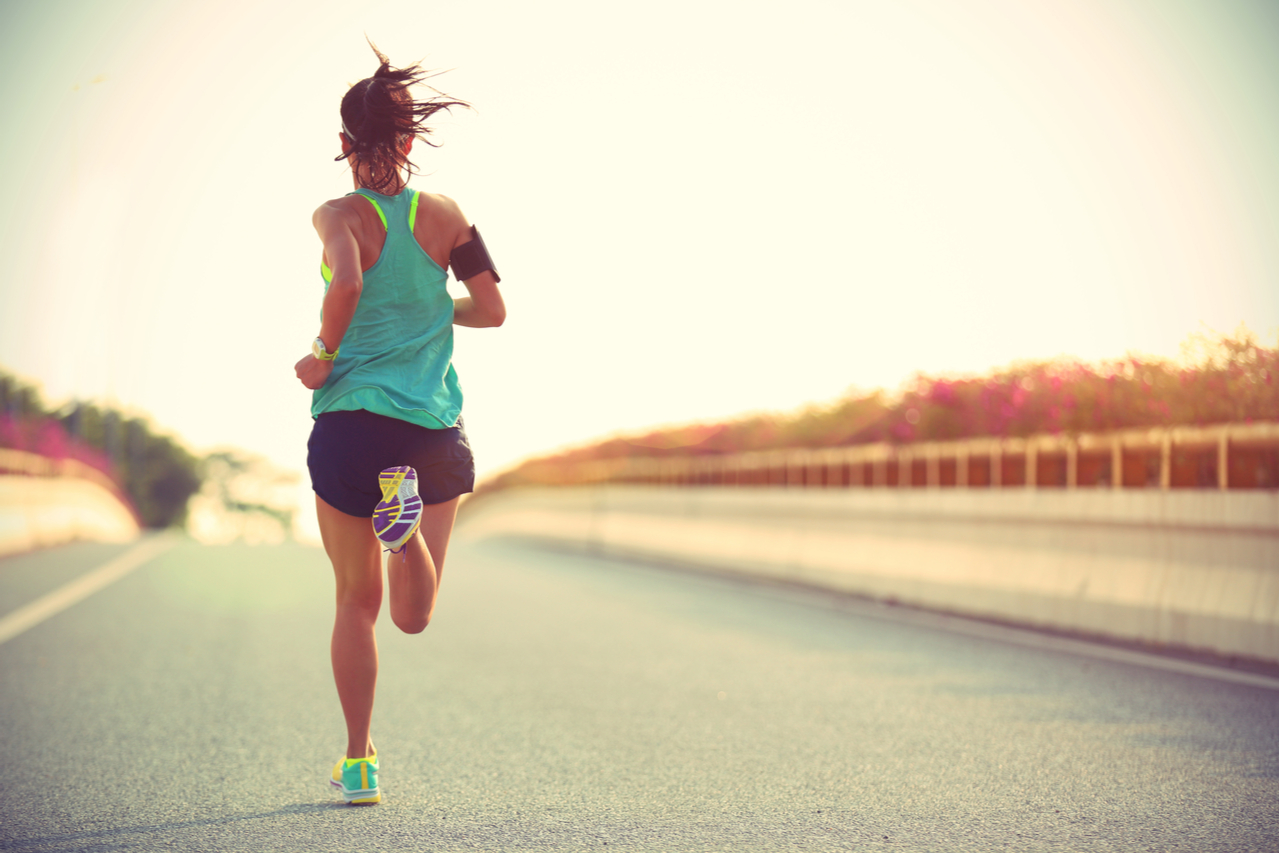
[699,209]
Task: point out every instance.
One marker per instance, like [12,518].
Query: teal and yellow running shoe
[357,778]
[397,516]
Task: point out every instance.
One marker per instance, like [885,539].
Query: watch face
[317,348]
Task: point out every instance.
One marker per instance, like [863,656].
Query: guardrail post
[1166,460]
[1224,472]
[995,464]
[932,474]
[1073,461]
[1117,463]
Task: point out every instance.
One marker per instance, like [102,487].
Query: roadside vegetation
[154,471]
[1218,379]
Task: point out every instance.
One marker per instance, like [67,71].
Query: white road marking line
[82,587]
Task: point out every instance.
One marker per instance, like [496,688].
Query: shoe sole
[396,518]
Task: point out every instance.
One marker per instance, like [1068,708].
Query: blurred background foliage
[244,498]
[154,471]
[1219,378]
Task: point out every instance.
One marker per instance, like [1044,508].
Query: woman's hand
[313,372]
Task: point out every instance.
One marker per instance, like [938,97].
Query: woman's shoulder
[352,211]
[344,206]
[442,214]
[440,204]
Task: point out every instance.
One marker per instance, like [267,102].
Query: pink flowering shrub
[48,438]
[1229,379]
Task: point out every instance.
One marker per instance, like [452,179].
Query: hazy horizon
[640,430]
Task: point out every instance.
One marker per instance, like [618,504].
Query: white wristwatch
[318,350]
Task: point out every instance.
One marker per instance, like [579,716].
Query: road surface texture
[562,702]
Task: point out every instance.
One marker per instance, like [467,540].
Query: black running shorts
[347,451]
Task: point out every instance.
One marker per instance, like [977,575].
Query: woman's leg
[357,568]
[413,575]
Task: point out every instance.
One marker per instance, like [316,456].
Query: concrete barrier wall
[37,512]
[1188,569]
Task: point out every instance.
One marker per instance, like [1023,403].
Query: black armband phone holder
[472,258]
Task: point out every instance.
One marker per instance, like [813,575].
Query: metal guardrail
[1236,455]
[34,465]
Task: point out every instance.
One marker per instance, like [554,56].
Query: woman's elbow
[490,313]
[347,287]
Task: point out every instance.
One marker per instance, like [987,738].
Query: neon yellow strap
[373,201]
[413,211]
[318,350]
[324,268]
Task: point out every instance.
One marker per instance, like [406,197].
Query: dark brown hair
[379,112]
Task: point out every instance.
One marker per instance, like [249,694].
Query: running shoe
[357,778]
[396,517]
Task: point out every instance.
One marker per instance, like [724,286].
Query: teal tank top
[396,358]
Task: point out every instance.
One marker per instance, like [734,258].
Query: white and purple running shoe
[397,516]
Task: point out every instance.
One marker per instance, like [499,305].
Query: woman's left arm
[484,307]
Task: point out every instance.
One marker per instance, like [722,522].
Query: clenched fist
[313,372]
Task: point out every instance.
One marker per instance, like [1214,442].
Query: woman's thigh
[436,528]
[355,553]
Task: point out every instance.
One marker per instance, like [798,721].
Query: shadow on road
[103,840]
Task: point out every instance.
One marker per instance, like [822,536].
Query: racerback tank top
[396,358]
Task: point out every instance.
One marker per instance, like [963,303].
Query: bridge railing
[28,464]
[1223,456]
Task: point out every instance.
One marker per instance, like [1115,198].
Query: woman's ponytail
[379,114]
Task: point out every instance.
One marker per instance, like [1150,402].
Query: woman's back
[440,226]
[397,353]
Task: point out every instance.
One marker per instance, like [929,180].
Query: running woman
[388,443]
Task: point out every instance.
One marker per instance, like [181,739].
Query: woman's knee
[411,624]
[366,602]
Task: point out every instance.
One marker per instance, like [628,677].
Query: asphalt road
[561,702]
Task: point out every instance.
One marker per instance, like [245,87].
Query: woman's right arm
[336,228]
